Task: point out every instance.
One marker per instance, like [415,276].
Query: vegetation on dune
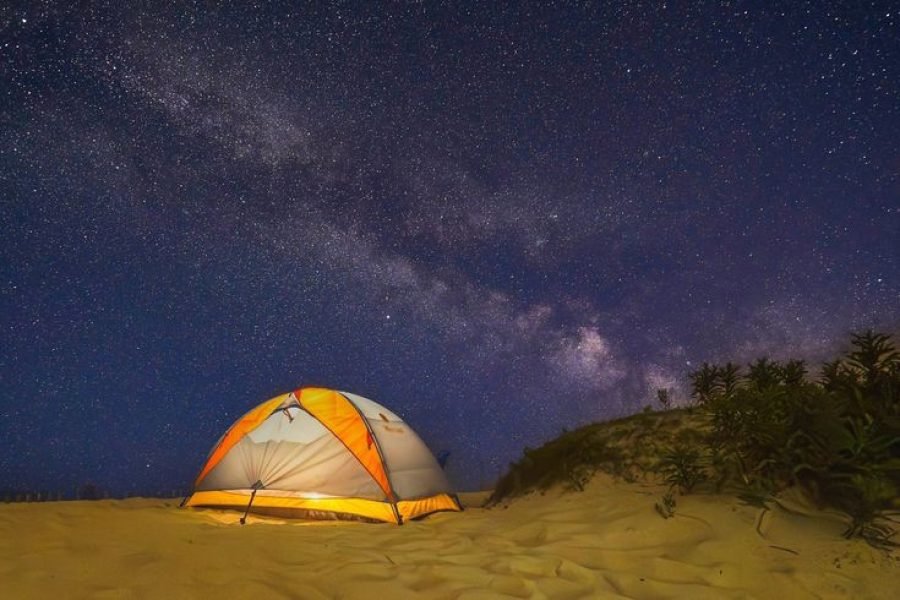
[629,448]
[754,434]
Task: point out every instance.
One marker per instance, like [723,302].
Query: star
[469,216]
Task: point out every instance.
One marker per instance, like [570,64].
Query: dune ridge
[604,542]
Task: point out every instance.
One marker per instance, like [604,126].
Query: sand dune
[606,542]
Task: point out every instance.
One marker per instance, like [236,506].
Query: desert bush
[705,383]
[664,398]
[863,496]
[755,434]
[839,439]
[681,467]
[666,507]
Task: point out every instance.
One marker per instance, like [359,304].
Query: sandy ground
[605,542]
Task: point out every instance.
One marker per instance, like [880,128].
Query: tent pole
[396,511]
[256,486]
[249,504]
[392,495]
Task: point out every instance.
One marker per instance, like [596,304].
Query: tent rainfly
[322,453]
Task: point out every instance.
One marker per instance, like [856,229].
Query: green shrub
[754,434]
[839,439]
[681,467]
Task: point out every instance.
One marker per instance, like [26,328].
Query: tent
[321,453]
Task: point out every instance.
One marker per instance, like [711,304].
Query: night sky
[497,222]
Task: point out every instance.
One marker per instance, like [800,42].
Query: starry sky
[496,220]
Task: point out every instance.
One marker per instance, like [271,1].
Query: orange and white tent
[323,453]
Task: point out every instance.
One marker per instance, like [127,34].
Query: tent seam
[387,474]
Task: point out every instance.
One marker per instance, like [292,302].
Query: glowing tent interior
[321,453]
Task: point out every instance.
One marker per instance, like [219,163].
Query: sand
[605,542]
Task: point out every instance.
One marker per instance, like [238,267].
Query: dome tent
[323,453]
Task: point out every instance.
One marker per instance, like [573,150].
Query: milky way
[498,222]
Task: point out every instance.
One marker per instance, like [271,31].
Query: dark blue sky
[498,222]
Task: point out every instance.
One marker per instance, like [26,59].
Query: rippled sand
[605,542]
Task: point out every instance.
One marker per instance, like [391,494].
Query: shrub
[839,439]
[681,467]
[666,507]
